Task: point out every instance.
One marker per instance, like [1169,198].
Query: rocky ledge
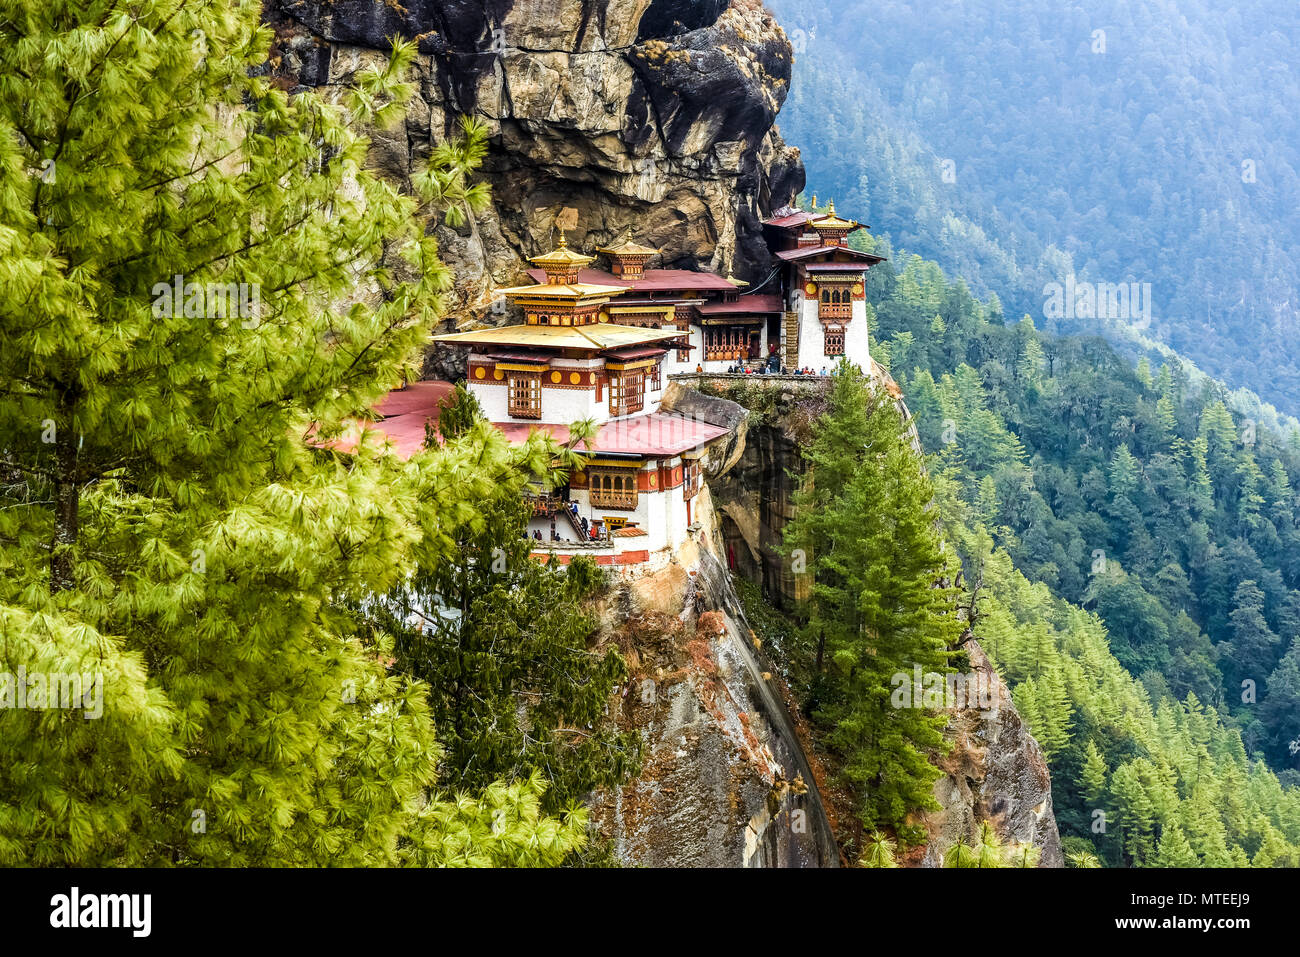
[651,114]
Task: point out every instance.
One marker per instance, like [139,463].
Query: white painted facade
[563,406]
[661,514]
[812,338]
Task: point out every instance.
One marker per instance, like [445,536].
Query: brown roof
[767,302]
[794,255]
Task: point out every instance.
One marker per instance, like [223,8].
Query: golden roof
[561,257]
[831,221]
[627,248]
[600,335]
[573,290]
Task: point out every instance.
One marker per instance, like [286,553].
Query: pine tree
[1280,709]
[863,517]
[1175,850]
[1253,646]
[880,852]
[501,640]
[177,525]
[1055,713]
[1093,777]
[1136,812]
[1124,471]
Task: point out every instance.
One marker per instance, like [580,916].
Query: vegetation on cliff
[864,537]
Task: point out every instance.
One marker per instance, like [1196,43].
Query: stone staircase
[790,339]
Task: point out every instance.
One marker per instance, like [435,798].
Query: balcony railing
[544,504]
[620,500]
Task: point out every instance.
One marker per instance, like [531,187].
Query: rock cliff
[651,114]
[995,770]
[726,782]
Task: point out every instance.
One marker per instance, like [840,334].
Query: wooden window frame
[626,391]
[835,304]
[723,343]
[612,488]
[833,336]
[691,483]
[524,394]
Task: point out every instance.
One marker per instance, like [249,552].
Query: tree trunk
[67,488]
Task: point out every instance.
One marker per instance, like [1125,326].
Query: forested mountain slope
[1016,143]
[1070,479]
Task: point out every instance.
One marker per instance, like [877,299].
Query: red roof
[791,255]
[759,302]
[653,280]
[797,218]
[416,397]
[404,411]
[658,434]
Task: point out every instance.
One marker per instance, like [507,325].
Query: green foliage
[1155,508]
[1132,769]
[168,516]
[878,607]
[989,851]
[501,641]
[1080,853]
[879,852]
[1153,520]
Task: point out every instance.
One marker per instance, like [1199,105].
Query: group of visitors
[773,367]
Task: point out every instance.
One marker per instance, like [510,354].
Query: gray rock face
[725,781]
[995,772]
[651,114]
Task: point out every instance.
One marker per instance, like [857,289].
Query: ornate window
[656,377]
[525,395]
[726,342]
[626,391]
[691,483]
[834,340]
[682,320]
[612,488]
[836,303]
